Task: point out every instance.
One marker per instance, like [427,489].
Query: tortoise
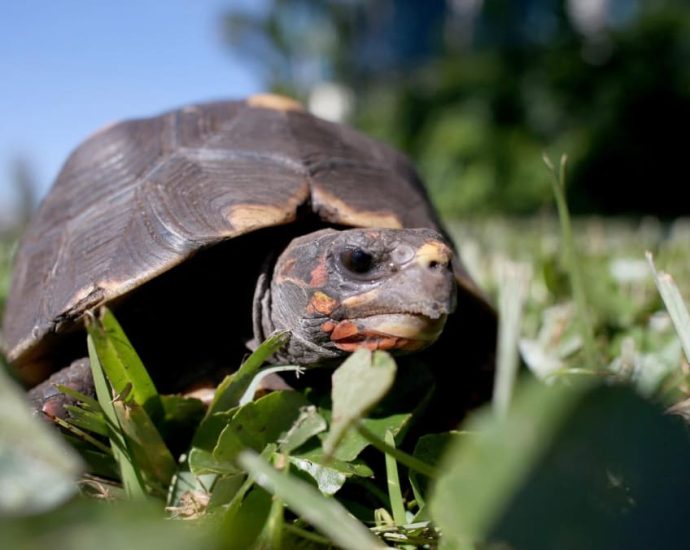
[208,227]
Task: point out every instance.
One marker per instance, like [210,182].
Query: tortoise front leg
[46,399]
[49,402]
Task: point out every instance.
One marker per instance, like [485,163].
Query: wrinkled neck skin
[337,291]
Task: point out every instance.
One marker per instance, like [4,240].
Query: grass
[599,354]
[624,305]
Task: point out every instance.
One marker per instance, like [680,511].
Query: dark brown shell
[141,196]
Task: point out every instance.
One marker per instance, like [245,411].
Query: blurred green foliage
[475,91]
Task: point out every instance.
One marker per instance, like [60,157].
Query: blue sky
[68,67]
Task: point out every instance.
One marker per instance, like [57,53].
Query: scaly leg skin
[49,402]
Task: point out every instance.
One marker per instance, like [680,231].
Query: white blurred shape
[629,270]
[331,101]
[466,8]
[588,16]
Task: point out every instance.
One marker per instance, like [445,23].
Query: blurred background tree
[475,90]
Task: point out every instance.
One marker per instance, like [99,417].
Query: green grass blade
[229,393]
[273,530]
[673,300]
[121,363]
[87,420]
[73,428]
[429,449]
[151,457]
[513,287]
[393,482]
[572,260]
[150,464]
[326,514]
[130,477]
[88,402]
[408,460]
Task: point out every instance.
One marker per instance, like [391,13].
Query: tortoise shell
[142,196]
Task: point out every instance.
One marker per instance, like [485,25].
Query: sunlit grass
[625,306]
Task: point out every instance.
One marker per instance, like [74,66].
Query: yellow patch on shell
[246,217]
[332,209]
[275,102]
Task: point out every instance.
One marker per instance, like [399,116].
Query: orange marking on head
[350,346]
[382,343]
[321,303]
[285,270]
[328,326]
[388,343]
[344,329]
[319,275]
[374,341]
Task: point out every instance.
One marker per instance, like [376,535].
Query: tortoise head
[337,291]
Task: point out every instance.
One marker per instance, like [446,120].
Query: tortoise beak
[393,331]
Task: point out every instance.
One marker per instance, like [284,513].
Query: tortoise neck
[262,325]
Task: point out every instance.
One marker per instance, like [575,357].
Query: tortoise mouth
[390,331]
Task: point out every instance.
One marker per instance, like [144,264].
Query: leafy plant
[301,452]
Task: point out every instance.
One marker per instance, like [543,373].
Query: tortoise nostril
[434,255]
[438,264]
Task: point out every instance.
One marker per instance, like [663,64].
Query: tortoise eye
[357,260]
